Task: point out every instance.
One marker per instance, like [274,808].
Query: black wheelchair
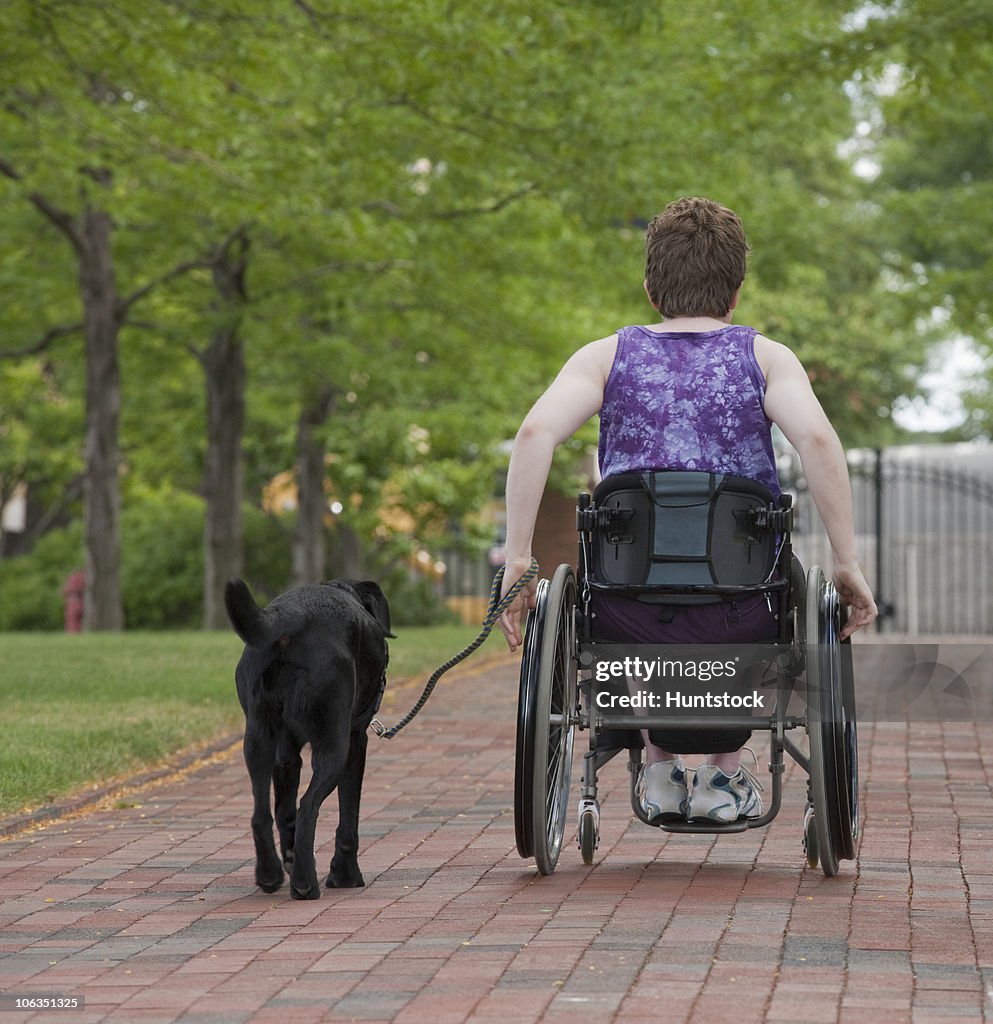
[674,537]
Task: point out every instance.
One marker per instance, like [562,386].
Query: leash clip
[377,727]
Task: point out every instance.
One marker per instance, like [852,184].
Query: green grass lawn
[79,710]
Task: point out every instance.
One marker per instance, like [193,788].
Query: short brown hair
[695,252]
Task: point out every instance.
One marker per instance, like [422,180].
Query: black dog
[313,671]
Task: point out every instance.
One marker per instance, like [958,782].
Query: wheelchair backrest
[677,529]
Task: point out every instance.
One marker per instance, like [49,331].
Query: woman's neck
[690,324]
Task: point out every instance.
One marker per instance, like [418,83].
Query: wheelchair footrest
[708,827]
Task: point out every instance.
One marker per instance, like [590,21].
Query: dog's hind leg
[286,783]
[259,754]
[345,873]
[327,762]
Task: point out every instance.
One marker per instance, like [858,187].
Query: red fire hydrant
[72,594]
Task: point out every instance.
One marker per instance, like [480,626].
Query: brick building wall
[555,537]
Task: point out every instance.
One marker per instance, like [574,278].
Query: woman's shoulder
[595,360]
[772,355]
[600,351]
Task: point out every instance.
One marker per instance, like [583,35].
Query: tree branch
[203,263]
[238,234]
[123,305]
[59,217]
[47,338]
[183,154]
[312,16]
[494,207]
[386,205]
[70,493]
[391,209]
[404,100]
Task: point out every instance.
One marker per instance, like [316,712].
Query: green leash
[495,610]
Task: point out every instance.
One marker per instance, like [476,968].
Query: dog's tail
[245,615]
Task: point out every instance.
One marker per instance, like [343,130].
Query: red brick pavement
[149,911]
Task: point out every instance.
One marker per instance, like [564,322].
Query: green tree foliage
[929,129]
[436,204]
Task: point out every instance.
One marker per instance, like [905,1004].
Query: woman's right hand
[855,596]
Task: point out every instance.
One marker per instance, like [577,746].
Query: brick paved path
[149,910]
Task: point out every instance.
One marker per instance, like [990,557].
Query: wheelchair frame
[554,702]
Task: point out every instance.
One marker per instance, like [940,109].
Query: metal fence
[924,525]
[924,520]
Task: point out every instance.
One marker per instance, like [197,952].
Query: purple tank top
[687,401]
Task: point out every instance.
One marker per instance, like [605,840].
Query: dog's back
[292,612]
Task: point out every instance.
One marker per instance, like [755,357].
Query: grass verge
[81,710]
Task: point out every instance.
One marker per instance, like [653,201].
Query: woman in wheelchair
[693,392]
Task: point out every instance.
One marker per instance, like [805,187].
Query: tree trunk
[102,604]
[310,536]
[104,312]
[224,370]
[348,558]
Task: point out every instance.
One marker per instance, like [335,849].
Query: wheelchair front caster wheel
[589,829]
[810,838]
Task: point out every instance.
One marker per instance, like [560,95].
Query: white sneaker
[718,797]
[664,794]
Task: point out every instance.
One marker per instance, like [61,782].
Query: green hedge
[161,566]
[162,569]
[31,585]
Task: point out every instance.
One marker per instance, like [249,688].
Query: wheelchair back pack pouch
[682,531]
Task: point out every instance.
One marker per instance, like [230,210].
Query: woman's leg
[654,754]
[728,763]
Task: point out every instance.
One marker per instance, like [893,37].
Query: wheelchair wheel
[524,760]
[544,730]
[810,838]
[589,830]
[831,727]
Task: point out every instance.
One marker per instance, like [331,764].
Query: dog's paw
[270,884]
[338,879]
